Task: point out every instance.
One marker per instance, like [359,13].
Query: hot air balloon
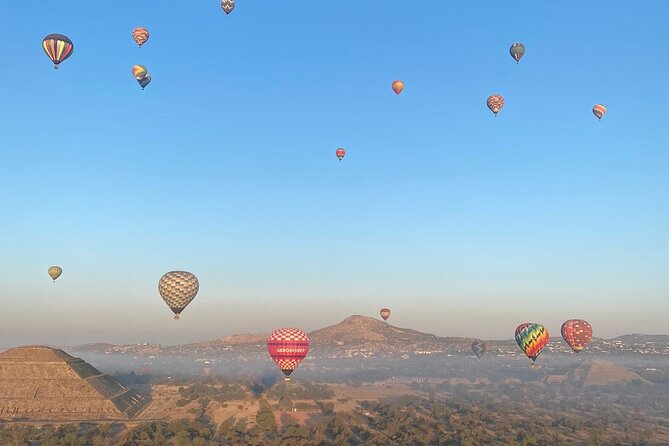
[495,103]
[55,272]
[577,333]
[479,348]
[139,71]
[398,86]
[341,153]
[599,110]
[228,5]
[517,50]
[146,80]
[140,35]
[288,347]
[58,47]
[531,339]
[178,289]
[144,369]
[385,313]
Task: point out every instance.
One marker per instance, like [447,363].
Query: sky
[462,223]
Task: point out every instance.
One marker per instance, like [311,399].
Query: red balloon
[341,153]
[577,333]
[288,347]
[385,313]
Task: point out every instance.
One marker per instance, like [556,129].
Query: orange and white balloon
[140,35]
[599,110]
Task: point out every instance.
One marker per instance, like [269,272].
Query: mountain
[360,332]
[97,347]
[368,335]
[239,339]
[641,338]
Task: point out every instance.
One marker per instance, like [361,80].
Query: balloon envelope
[385,313]
[599,110]
[479,348]
[55,272]
[288,347]
[517,50]
[146,80]
[178,289]
[341,153]
[398,86]
[577,333]
[228,5]
[58,48]
[140,35]
[495,103]
[531,338]
[139,71]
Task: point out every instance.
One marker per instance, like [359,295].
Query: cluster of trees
[220,393]
[67,435]
[301,391]
[531,414]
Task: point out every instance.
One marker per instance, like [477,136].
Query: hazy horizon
[461,223]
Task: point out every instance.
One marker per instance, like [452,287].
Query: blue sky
[461,223]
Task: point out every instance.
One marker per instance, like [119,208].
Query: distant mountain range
[358,333]
[641,338]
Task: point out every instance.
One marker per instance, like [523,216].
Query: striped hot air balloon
[139,71]
[58,48]
[599,110]
[385,313]
[517,50]
[531,338]
[341,153]
[140,35]
[577,333]
[178,289]
[398,86]
[495,103]
[228,5]
[288,347]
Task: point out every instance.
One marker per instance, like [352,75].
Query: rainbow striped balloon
[531,338]
[58,48]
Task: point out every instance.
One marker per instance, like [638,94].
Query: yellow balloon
[55,272]
[139,71]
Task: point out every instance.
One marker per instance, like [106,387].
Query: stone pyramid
[44,383]
[603,373]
